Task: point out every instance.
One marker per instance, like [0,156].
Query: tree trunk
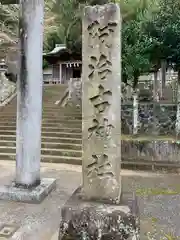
[178,106]
[163,77]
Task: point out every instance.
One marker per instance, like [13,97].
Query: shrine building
[63,65]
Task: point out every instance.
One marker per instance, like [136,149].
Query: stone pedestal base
[33,195]
[85,220]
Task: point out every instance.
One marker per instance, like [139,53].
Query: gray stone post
[29,93]
[27,186]
[101,109]
[98,209]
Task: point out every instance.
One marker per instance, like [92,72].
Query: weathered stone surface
[12,61]
[29,93]
[162,153]
[32,195]
[160,122]
[96,221]
[75,89]
[73,94]
[127,118]
[101,102]
[7,88]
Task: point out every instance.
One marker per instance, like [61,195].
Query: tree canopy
[150,31]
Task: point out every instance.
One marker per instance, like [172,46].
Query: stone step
[46,129]
[46,158]
[47,151]
[57,111]
[45,109]
[56,145]
[48,134]
[46,138]
[49,119]
[45,106]
[52,116]
[50,123]
[46,124]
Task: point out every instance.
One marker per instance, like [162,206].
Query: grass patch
[149,138]
[156,232]
[156,191]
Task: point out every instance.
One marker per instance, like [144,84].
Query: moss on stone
[149,138]
[156,191]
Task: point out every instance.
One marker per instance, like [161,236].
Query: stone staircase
[61,129]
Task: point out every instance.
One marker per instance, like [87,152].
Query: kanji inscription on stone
[100,167]
[101,34]
[101,105]
[100,128]
[99,68]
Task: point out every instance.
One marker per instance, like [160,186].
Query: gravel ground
[158,196]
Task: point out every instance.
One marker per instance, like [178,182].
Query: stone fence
[158,119]
[155,121]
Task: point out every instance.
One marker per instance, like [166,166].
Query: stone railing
[7,90]
[72,95]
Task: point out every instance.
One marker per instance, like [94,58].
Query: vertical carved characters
[101,34]
[100,167]
[100,128]
[100,69]
[101,101]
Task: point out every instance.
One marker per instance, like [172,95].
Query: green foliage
[45,64]
[164,29]
[68,18]
[150,31]
[135,45]
[8,28]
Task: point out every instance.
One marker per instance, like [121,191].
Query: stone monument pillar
[101,103]
[28,186]
[100,210]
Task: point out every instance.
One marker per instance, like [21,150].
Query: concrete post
[29,94]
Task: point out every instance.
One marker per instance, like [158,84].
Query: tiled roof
[56,50]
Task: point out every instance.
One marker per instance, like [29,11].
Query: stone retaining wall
[149,152]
